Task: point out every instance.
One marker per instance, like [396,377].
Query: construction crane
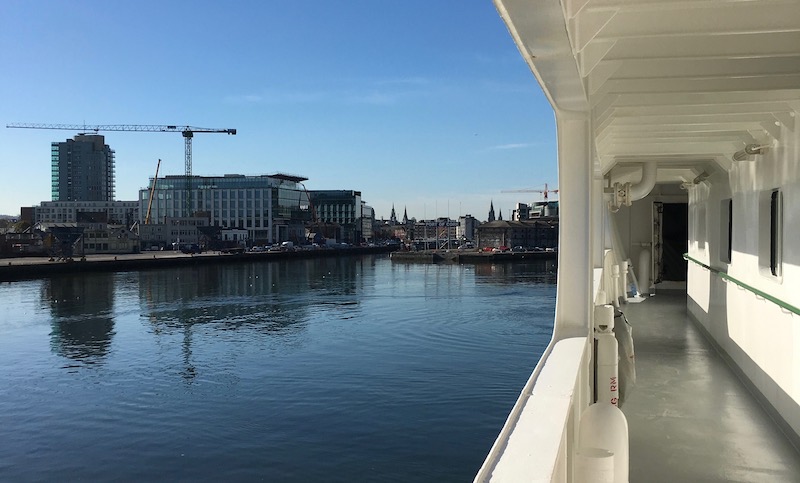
[310,204]
[152,192]
[186,131]
[544,192]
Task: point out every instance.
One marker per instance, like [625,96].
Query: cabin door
[670,241]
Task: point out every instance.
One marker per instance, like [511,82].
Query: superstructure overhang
[681,83]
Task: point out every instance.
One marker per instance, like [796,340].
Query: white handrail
[533,443]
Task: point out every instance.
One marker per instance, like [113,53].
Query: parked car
[191,248]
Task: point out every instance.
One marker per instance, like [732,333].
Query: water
[349,369]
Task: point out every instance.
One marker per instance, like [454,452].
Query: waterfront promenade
[21,268]
[471,256]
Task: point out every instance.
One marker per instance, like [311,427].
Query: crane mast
[186,131]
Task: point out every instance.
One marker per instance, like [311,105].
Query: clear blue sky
[421,104]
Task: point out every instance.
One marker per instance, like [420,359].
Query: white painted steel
[644,271]
[679,86]
[574,255]
[645,186]
[607,355]
[594,465]
[535,437]
[623,273]
[604,426]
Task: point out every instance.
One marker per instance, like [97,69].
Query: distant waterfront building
[271,208]
[542,233]
[544,209]
[111,212]
[183,231]
[341,207]
[440,230]
[367,222]
[90,238]
[466,227]
[521,212]
[82,169]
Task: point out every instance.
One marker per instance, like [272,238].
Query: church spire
[491,211]
[499,215]
[393,216]
[405,216]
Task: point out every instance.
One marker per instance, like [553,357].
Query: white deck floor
[690,418]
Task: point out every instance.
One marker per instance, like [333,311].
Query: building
[340,207]
[82,169]
[111,212]
[467,225]
[544,209]
[439,232]
[82,238]
[521,212]
[367,222]
[271,208]
[541,233]
[182,231]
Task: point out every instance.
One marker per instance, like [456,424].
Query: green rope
[784,305]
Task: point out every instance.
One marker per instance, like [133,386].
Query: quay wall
[435,256]
[38,267]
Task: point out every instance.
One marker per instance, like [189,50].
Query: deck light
[748,151]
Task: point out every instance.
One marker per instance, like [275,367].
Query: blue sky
[421,104]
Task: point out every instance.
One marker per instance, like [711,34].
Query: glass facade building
[341,207]
[272,208]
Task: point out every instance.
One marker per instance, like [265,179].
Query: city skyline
[424,106]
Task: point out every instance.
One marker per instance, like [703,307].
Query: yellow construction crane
[152,192]
[186,131]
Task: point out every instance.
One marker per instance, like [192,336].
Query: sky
[421,105]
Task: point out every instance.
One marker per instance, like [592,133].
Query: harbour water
[341,369]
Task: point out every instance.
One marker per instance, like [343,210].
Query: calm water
[351,369]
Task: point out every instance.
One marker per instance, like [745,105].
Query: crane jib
[186,131]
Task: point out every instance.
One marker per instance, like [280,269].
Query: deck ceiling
[679,82]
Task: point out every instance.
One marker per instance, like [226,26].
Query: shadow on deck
[690,418]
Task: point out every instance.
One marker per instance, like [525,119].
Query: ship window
[770,224]
[726,230]
[775,232]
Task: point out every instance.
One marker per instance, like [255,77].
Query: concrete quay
[22,268]
[472,256]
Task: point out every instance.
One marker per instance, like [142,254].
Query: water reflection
[541,271]
[82,322]
[260,293]
[273,299]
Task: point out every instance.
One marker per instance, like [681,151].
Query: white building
[112,212]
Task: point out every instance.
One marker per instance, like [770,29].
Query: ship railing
[539,440]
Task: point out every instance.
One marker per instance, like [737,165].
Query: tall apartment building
[82,169]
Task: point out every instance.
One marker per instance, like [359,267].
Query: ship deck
[690,418]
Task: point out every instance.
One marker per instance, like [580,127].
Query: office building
[343,208]
[272,208]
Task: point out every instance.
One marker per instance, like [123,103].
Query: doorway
[671,241]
